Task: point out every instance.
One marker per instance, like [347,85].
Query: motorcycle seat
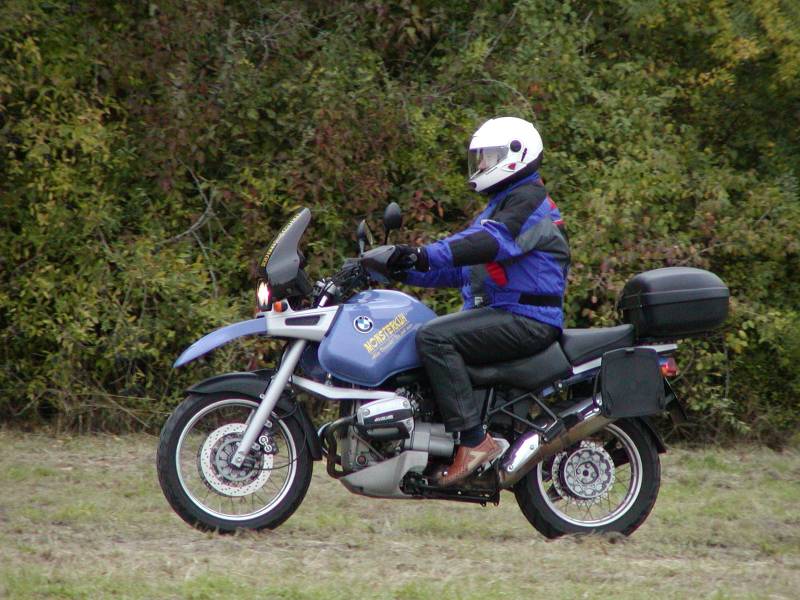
[582,345]
[529,373]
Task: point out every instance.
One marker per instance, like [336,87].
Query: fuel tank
[373,337]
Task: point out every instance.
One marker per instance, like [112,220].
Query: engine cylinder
[430,438]
[388,419]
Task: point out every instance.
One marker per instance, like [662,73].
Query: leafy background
[149,152]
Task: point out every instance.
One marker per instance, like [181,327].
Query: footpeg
[552,432]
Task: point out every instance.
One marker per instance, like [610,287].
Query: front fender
[220,337]
[252,384]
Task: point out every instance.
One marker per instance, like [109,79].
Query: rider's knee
[428,336]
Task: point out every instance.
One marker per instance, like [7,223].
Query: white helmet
[502,151]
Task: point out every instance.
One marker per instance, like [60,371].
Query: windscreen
[282,261]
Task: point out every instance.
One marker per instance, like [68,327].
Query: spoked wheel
[196,445]
[608,482]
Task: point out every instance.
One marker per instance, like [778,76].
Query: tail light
[669,368]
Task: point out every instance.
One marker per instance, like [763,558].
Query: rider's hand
[407,257]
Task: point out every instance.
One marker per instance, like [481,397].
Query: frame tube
[330,392]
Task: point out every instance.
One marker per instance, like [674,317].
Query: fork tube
[268,401]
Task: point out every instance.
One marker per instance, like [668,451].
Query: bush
[150,152]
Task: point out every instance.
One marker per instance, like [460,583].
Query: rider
[511,265]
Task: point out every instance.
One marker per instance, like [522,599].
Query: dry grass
[83,517]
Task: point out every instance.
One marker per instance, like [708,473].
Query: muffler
[531,449]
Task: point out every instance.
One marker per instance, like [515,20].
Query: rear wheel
[607,482]
[196,445]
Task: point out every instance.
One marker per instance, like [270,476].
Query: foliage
[150,151]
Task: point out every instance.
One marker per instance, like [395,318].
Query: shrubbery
[150,151]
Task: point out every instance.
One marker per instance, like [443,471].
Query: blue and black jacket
[515,256]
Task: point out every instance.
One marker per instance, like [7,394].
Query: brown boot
[467,460]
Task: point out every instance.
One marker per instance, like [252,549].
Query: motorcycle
[580,453]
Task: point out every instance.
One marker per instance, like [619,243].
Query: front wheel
[198,441]
[607,482]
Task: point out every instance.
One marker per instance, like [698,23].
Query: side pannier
[675,302]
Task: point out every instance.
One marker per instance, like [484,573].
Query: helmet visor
[483,159]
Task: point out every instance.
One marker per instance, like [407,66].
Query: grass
[83,517]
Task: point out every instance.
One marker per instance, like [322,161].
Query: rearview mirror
[364,236]
[392,218]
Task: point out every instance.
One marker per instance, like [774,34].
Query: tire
[546,501]
[193,483]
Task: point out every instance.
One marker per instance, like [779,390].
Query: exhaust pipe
[531,449]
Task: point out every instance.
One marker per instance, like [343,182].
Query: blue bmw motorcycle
[580,452]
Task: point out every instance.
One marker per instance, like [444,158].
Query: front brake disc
[220,475]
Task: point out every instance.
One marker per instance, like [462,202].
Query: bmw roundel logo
[363,324]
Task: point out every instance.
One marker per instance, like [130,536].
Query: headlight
[262,296]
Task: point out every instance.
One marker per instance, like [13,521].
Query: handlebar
[355,273]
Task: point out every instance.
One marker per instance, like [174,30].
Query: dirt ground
[83,517]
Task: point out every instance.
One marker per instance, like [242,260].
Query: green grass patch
[94,524]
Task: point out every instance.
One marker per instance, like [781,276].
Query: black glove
[407,257]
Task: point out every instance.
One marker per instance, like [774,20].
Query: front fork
[268,401]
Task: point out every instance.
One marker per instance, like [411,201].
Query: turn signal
[669,368]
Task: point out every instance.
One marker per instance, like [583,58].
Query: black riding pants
[479,336]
